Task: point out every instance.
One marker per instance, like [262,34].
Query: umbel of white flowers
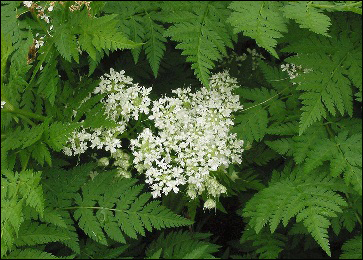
[124,100]
[193,140]
[193,136]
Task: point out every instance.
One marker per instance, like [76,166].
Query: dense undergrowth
[195,130]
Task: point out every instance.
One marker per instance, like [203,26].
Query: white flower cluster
[100,138]
[255,57]
[193,140]
[124,100]
[293,70]
[3,104]
[234,58]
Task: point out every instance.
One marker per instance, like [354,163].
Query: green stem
[79,207]
[265,100]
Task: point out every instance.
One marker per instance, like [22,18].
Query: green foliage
[260,20]
[201,33]
[352,249]
[182,245]
[109,204]
[307,16]
[299,186]
[328,86]
[267,245]
[309,197]
[18,190]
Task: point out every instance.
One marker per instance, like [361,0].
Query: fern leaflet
[201,33]
[182,245]
[309,197]
[352,249]
[107,204]
[262,21]
[307,16]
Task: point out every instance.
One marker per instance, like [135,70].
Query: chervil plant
[152,129]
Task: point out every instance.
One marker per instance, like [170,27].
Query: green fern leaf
[18,30]
[183,245]
[310,197]
[268,246]
[345,155]
[133,17]
[66,43]
[282,146]
[307,16]
[104,34]
[94,250]
[287,128]
[58,134]
[252,124]
[262,21]
[352,249]
[30,253]
[303,144]
[254,118]
[49,80]
[202,34]
[154,46]
[346,219]
[327,87]
[17,189]
[107,203]
[35,234]
[41,154]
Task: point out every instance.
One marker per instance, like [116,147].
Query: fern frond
[310,197]
[61,185]
[200,29]
[58,133]
[345,155]
[287,128]
[268,246]
[103,34]
[352,249]
[116,207]
[282,146]
[66,43]
[131,22]
[327,87]
[41,154]
[183,245]
[252,124]
[49,80]
[307,16]
[346,219]
[262,21]
[35,234]
[154,46]
[18,30]
[303,144]
[30,253]
[17,189]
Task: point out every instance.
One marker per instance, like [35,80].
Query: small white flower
[103,162]
[3,104]
[28,3]
[209,204]
[50,8]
